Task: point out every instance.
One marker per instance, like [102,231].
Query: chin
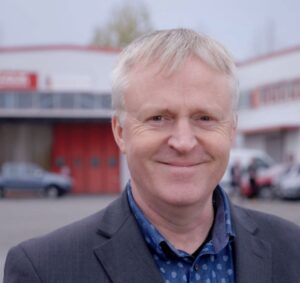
[185,195]
[181,202]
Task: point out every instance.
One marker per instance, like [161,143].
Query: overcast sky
[245,27]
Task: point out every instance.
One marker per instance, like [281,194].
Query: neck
[185,227]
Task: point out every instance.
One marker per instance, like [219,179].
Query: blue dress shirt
[211,263]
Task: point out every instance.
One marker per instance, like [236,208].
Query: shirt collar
[221,233]
[222,230]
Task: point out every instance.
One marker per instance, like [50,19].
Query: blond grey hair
[169,49]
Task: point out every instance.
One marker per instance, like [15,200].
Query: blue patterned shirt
[211,263]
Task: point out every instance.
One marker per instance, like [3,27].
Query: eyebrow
[169,110]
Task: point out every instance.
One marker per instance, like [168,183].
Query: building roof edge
[268,56]
[58,47]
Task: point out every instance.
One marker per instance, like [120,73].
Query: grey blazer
[108,247]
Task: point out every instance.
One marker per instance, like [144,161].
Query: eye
[157,118]
[205,118]
[160,120]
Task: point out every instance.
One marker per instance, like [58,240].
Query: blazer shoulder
[67,249]
[268,226]
[84,230]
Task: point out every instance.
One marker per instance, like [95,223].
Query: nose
[182,138]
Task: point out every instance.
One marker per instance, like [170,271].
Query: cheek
[140,140]
[138,148]
[220,137]
[217,144]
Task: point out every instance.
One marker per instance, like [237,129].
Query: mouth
[181,164]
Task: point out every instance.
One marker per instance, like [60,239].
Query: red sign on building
[18,80]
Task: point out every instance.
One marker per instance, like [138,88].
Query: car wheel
[52,192]
[266,192]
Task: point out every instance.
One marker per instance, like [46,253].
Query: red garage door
[89,152]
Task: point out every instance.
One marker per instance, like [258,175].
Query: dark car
[23,176]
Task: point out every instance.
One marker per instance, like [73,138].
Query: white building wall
[255,142]
[273,69]
[73,69]
[272,116]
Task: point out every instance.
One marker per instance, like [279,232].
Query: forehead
[192,69]
[192,78]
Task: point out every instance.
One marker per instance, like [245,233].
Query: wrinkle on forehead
[200,78]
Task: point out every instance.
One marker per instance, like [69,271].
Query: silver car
[23,176]
[288,185]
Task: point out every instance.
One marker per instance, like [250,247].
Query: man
[174,96]
[235,178]
[252,175]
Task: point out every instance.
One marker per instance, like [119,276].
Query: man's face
[177,133]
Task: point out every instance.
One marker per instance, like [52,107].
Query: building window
[87,101]
[46,100]
[7,100]
[54,100]
[24,100]
[105,101]
[66,100]
[270,94]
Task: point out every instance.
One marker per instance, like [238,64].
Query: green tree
[126,23]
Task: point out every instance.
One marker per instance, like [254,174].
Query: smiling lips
[183,164]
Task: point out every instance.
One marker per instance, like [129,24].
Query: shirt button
[196,267]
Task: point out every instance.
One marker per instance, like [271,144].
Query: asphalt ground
[24,217]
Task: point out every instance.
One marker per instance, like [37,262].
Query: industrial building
[269,113]
[55,109]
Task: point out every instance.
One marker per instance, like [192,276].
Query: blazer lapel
[124,255]
[253,256]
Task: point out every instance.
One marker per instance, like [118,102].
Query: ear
[118,133]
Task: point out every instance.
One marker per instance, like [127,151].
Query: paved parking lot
[26,217]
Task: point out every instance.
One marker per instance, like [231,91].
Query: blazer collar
[124,255]
[253,256]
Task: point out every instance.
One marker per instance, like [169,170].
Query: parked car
[245,156]
[266,181]
[23,176]
[288,185]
